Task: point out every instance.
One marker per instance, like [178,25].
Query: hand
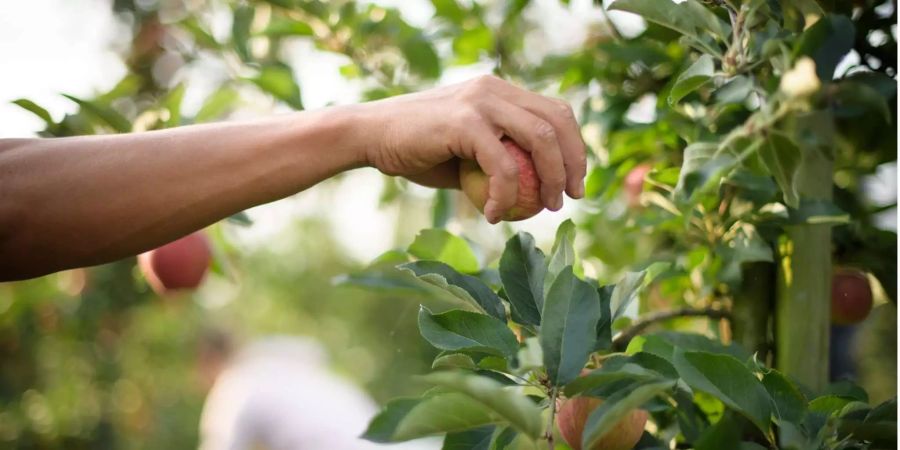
[425,134]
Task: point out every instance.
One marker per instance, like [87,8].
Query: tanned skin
[81,201]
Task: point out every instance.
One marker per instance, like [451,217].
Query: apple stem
[554,393]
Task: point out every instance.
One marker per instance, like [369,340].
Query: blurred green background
[91,358]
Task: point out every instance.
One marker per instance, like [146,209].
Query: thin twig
[554,393]
[622,339]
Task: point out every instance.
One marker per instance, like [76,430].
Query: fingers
[560,115]
[539,137]
[501,169]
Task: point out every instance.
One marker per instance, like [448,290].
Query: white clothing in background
[278,394]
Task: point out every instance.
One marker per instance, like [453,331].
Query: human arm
[71,202]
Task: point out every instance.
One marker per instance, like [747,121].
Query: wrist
[349,132]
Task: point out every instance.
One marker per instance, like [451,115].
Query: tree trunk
[752,308]
[803,302]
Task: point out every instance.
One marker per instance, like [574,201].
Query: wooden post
[803,301]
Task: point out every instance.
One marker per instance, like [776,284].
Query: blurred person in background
[277,393]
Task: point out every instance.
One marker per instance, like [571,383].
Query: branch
[554,393]
[623,338]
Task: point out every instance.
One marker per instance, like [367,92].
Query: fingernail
[490,211]
[558,204]
[579,190]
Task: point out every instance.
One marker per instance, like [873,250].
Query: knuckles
[565,110]
[544,132]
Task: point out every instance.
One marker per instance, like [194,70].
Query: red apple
[474,183]
[851,296]
[178,265]
[574,412]
[633,184]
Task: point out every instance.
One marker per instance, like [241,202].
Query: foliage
[734,121]
[497,379]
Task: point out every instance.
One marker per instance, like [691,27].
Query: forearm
[79,201]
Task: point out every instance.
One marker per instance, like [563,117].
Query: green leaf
[411,418]
[240,30]
[513,407]
[383,426]
[464,330]
[522,273]
[616,407]
[746,246]
[695,76]
[470,44]
[35,109]
[562,254]
[278,80]
[108,115]
[441,245]
[729,380]
[625,292]
[172,103]
[847,388]
[474,439]
[604,324]
[666,343]
[702,169]
[380,279]
[689,18]
[884,412]
[454,361]
[789,403]
[449,9]
[465,287]
[504,439]
[569,326]
[217,105]
[726,433]
[638,367]
[201,35]
[421,57]
[782,157]
[826,43]
[829,404]
[735,91]
[281,26]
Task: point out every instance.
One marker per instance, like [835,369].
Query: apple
[178,265]
[474,183]
[851,296]
[574,412]
[633,184]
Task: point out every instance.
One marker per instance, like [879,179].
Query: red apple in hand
[178,265]
[574,412]
[633,184]
[474,183]
[851,296]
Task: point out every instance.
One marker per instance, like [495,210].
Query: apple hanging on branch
[574,412]
[474,183]
[633,184]
[851,296]
[178,265]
